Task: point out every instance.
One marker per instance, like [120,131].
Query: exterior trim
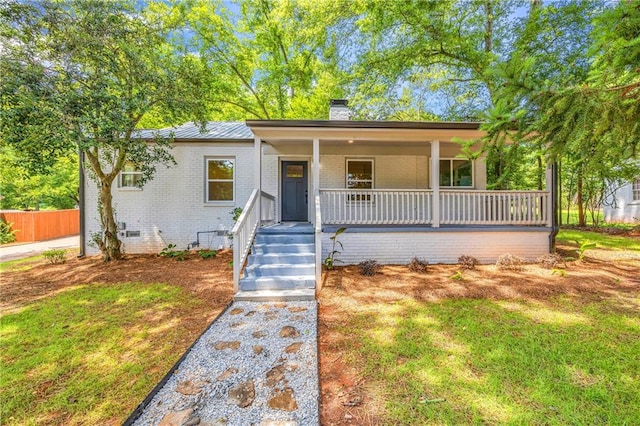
[358,124]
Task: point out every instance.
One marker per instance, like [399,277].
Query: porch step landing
[281,265]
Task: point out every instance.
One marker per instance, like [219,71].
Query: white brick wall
[626,210]
[443,246]
[171,208]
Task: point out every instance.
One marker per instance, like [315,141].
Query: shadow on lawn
[498,346]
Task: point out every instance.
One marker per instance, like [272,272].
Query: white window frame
[354,198]
[362,160]
[635,190]
[451,159]
[207,160]
[121,176]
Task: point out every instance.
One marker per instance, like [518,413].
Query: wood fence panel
[43,225]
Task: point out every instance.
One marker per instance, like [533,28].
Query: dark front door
[294,191]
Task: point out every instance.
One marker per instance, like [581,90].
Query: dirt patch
[210,280]
[348,399]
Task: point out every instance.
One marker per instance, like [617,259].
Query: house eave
[383,131]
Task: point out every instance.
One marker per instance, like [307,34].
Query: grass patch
[614,242]
[20,264]
[89,354]
[500,362]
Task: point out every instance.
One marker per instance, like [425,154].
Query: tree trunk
[581,217]
[109,244]
[559,192]
[540,173]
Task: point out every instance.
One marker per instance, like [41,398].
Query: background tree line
[556,81]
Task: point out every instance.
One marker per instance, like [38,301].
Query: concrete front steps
[281,265]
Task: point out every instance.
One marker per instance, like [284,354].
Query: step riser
[261,259]
[284,239]
[285,248]
[281,271]
[281,284]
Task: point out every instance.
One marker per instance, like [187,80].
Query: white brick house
[624,204]
[400,189]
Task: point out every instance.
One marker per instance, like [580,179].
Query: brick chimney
[338,110]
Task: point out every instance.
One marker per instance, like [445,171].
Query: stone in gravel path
[227,373]
[275,375]
[243,394]
[257,349]
[236,311]
[176,418]
[258,334]
[293,348]
[289,331]
[190,388]
[226,345]
[283,400]
[297,309]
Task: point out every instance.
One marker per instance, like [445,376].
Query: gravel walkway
[256,365]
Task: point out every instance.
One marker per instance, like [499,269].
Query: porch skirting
[390,245]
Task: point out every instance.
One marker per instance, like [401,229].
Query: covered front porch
[401,189]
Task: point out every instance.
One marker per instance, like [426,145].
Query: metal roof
[214,130]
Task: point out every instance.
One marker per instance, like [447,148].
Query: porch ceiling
[369,132]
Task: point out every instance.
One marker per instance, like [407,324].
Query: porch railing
[318,242]
[246,227]
[376,206]
[267,208]
[415,207]
[459,207]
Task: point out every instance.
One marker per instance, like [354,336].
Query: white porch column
[257,163]
[435,183]
[315,168]
[548,187]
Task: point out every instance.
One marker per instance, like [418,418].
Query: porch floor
[288,228]
[429,228]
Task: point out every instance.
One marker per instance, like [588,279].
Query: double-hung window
[130,177]
[635,190]
[220,179]
[455,172]
[359,176]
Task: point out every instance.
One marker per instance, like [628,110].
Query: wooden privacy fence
[42,225]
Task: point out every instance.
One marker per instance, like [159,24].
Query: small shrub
[7,235]
[330,260]
[235,213]
[457,276]
[170,251]
[510,262]
[550,261]
[468,262]
[560,272]
[369,267]
[207,254]
[55,256]
[583,247]
[417,265]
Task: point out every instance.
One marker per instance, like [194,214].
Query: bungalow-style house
[399,188]
[623,206]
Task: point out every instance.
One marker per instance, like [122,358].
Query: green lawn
[80,357]
[501,362]
[20,264]
[615,242]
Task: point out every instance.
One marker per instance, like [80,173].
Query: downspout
[554,207]
[81,204]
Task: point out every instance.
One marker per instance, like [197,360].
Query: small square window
[456,173]
[130,177]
